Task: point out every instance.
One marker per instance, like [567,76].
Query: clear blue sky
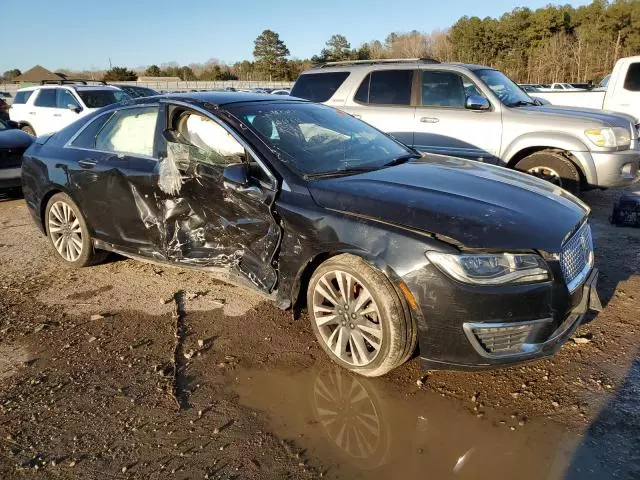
[85,34]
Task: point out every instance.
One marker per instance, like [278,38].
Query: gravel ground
[87,388]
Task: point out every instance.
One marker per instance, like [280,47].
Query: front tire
[552,167]
[67,230]
[358,317]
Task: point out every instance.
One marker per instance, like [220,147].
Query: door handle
[87,163]
[57,114]
[429,119]
[32,113]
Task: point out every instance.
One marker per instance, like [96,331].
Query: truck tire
[28,129]
[552,167]
[358,317]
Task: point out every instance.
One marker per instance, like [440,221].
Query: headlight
[492,269]
[609,137]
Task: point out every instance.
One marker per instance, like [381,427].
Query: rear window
[318,87]
[22,97]
[46,98]
[101,98]
[632,81]
[386,87]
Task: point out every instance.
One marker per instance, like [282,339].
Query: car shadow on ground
[611,445]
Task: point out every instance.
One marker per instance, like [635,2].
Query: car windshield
[101,98]
[604,83]
[315,140]
[504,88]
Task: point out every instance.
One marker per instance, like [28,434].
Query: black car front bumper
[490,327]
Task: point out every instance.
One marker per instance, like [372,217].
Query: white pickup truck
[622,94]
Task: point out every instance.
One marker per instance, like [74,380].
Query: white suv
[48,108]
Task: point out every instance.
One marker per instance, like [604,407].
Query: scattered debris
[582,339]
[97,316]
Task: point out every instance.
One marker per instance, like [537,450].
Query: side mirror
[74,108]
[236,175]
[476,102]
[171,136]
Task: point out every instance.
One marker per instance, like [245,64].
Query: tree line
[550,44]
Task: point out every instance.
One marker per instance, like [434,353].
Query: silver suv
[478,113]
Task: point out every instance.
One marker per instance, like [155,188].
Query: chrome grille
[576,257]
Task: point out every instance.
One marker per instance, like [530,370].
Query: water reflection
[363,428]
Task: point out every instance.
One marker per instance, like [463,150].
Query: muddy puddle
[360,428]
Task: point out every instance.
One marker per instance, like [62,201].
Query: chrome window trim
[231,132]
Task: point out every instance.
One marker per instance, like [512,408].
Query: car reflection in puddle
[364,428]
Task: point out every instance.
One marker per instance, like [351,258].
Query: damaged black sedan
[478,266]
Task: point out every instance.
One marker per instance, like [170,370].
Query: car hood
[477,205]
[572,114]
[14,139]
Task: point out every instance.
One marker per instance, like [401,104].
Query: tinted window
[22,97]
[315,139]
[390,87]
[87,138]
[362,95]
[46,98]
[65,98]
[129,131]
[444,89]
[101,98]
[318,87]
[632,81]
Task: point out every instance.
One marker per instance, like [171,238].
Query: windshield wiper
[339,173]
[402,159]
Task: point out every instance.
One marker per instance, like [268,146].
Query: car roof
[392,66]
[226,98]
[71,85]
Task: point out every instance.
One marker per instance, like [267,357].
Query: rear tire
[68,232]
[358,317]
[28,129]
[552,167]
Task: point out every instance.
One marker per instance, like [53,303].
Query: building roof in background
[38,74]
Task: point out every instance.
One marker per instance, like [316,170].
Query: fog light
[627,169]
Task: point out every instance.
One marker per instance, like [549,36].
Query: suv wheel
[28,129]
[358,317]
[68,232]
[552,167]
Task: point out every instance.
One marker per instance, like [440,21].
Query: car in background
[617,92]
[482,266]
[52,106]
[560,87]
[261,90]
[530,88]
[282,91]
[13,143]
[135,91]
[477,112]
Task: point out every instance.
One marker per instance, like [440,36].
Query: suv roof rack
[71,81]
[377,61]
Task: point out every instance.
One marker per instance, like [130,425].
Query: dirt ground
[87,391]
